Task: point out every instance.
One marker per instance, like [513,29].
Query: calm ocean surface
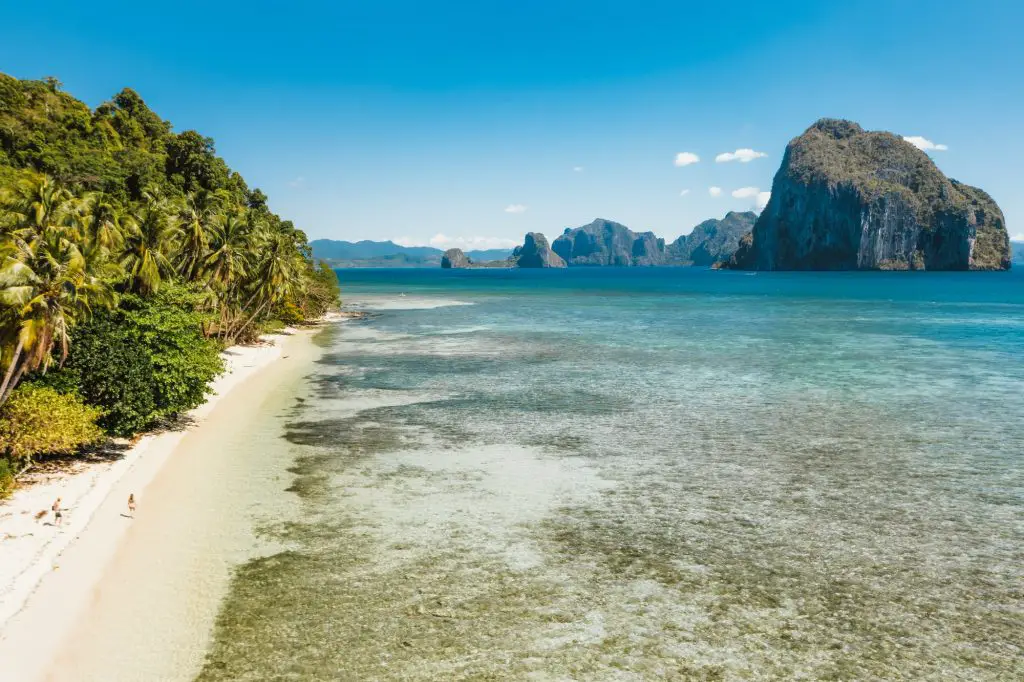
[633,474]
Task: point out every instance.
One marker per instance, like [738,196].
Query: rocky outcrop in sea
[848,199]
[604,242]
[455,258]
[536,253]
[712,241]
[607,243]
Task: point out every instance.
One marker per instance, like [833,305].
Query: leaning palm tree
[33,210]
[45,288]
[149,244]
[277,273]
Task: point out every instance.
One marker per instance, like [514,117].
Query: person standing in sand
[131,504]
[58,515]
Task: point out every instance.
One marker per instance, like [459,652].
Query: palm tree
[102,217]
[35,213]
[277,274]
[230,241]
[226,267]
[149,244]
[35,204]
[46,287]
[198,212]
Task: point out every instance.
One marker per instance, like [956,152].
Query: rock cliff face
[604,242]
[711,241]
[846,199]
[455,258]
[536,253]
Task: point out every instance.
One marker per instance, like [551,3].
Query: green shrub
[272,326]
[6,477]
[184,361]
[289,313]
[38,420]
[140,363]
[112,370]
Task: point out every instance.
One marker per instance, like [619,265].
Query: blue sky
[481,121]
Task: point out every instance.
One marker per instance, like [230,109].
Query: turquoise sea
[646,474]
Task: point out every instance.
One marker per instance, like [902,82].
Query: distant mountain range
[366,253]
[602,242]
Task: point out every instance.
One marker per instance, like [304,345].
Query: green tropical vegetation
[130,256]
[41,419]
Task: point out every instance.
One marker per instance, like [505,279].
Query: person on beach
[131,504]
[57,514]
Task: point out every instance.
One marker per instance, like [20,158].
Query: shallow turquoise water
[651,474]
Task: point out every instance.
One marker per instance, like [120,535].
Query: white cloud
[924,144]
[297,182]
[741,155]
[684,192]
[474,243]
[715,191]
[686,158]
[746,192]
[577,169]
[760,198]
[1017,237]
[515,208]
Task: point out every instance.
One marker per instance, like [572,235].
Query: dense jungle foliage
[130,256]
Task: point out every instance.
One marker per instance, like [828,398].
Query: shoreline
[39,604]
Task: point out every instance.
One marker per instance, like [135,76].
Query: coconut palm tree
[277,273]
[198,213]
[149,244]
[101,218]
[227,267]
[34,211]
[230,240]
[36,204]
[46,287]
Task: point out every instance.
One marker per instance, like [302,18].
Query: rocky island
[608,243]
[712,241]
[536,253]
[604,242]
[455,258]
[848,199]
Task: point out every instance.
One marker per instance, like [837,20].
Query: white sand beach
[59,586]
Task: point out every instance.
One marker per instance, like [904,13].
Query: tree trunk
[231,327]
[14,382]
[23,470]
[246,323]
[10,370]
